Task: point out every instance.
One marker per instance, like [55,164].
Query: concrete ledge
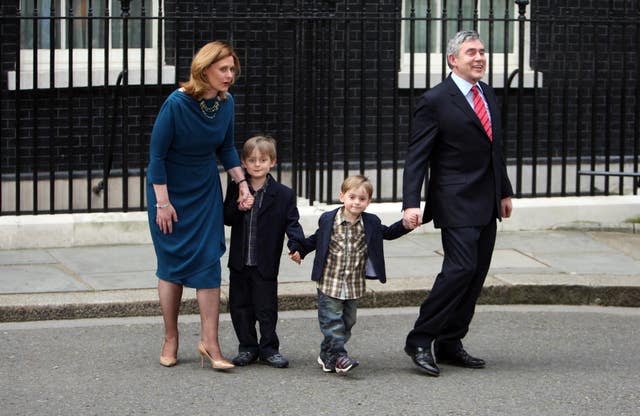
[72,230]
[573,212]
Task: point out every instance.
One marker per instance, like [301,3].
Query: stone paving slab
[122,280]
[612,263]
[50,278]
[552,267]
[107,259]
[549,241]
[27,256]
[626,243]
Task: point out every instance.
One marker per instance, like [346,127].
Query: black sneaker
[276,360]
[344,363]
[328,365]
[244,358]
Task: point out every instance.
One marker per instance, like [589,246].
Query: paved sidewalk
[570,266]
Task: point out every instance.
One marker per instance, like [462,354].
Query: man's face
[470,63]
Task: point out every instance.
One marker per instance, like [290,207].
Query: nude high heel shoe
[167,361]
[215,364]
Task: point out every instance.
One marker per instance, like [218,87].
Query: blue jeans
[336,318]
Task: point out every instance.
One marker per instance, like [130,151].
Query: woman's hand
[165,217]
[244,193]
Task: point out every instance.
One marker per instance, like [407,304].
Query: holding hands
[411,218]
[295,256]
[246,204]
[245,199]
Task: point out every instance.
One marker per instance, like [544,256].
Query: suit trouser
[254,298]
[446,313]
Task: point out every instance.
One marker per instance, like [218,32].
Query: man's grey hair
[453,47]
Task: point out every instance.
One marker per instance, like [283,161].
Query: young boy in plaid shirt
[349,249]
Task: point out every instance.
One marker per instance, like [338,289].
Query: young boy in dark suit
[348,246]
[258,227]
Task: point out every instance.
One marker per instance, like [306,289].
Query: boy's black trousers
[254,298]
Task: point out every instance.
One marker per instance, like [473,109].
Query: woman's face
[220,76]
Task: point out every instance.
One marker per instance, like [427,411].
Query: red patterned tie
[481,111]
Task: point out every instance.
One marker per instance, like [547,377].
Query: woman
[194,128]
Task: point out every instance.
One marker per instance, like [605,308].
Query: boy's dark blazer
[374,231]
[277,216]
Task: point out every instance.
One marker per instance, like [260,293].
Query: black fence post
[124,4]
[522,19]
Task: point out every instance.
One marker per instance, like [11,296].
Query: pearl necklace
[212,110]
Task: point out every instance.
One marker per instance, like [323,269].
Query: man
[457,129]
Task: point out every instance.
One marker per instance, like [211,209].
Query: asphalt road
[542,360]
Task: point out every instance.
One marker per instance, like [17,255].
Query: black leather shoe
[276,360]
[461,358]
[423,358]
[244,358]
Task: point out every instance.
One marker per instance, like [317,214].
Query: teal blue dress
[185,146]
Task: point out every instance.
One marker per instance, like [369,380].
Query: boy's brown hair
[356,181]
[266,145]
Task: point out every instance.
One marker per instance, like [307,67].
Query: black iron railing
[334,82]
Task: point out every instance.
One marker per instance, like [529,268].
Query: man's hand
[412,218]
[506,207]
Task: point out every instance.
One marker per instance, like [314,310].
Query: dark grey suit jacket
[468,176]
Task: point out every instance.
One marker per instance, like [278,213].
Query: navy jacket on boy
[375,232]
[277,216]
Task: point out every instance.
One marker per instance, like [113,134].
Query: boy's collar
[342,218]
[267,180]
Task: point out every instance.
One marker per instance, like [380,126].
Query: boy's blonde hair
[266,145]
[357,181]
